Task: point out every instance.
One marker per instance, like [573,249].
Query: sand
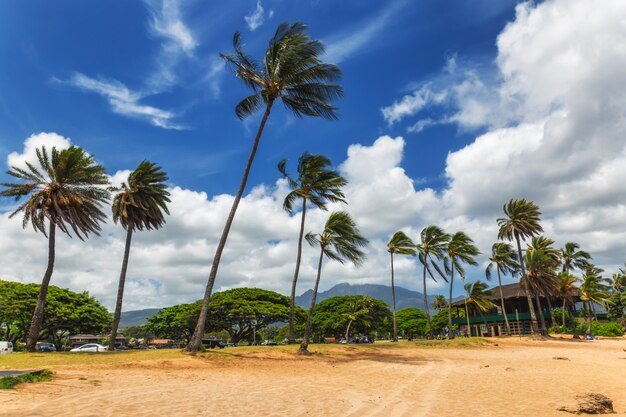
[506,377]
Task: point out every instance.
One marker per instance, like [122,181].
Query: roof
[514,290]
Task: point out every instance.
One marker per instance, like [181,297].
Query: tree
[433,242]
[412,322]
[401,244]
[574,258]
[521,221]
[542,261]
[292,73]
[505,261]
[564,287]
[176,322]
[359,310]
[139,204]
[478,296]
[460,250]
[439,302]
[65,191]
[333,315]
[316,184]
[66,312]
[593,289]
[340,241]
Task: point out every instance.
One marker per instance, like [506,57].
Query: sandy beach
[497,377]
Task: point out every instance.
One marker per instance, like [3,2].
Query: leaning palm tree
[504,260]
[564,287]
[477,295]
[316,184]
[292,73]
[540,278]
[572,257]
[358,311]
[340,241]
[460,250]
[593,289]
[139,204]
[401,244]
[521,221]
[433,242]
[66,191]
[550,266]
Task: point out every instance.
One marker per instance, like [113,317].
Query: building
[492,323]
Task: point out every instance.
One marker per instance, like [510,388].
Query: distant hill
[404,298]
[137,317]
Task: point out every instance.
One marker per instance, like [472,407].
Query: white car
[90,347]
[6,347]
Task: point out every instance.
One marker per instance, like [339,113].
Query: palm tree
[540,277]
[139,205]
[358,310]
[460,250]
[433,242]
[572,257]
[401,244]
[593,289]
[477,295]
[65,191]
[292,73]
[504,260]
[316,184]
[564,286]
[340,241]
[439,302]
[521,221]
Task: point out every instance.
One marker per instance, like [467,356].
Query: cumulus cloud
[28,154]
[257,17]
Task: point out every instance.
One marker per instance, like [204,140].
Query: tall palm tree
[544,283]
[316,184]
[521,221]
[593,289]
[439,302]
[340,241]
[433,243]
[504,259]
[139,204]
[358,310]
[460,250]
[401,244]
[564,287]
[66,191]
[291,72]
[574,258]
[477,295]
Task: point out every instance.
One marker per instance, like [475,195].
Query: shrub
[610,329]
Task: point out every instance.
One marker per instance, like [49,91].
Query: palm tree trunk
[37,320]
[574,324]
[563,313]
[120,289]
[469,329]
[542,320]
[588,332]
[196,339]
[292,305]
[450,332]
[484,321]
[309,319]
[506,319]
[348,330]
[551,311]
[531,309]
[430,324]
[393,302]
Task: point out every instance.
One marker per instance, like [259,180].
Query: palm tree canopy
[503,258]
[341,239]
[68,189]
[522,220]
[433,242]
[401,244]
[541,271]
[564,284]
[141,200]
[316,182]
[461,249]
[440,302]
[477,294]
[359,309]
[572,257]
[594,287]
[291,71]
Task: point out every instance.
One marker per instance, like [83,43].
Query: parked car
[6,348]
[213,343]
[269,343]
[45,347]
[90,347]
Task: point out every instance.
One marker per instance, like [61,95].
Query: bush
[610,329]
[557,313]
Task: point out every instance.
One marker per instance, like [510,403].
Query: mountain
[404,298]
[137,317]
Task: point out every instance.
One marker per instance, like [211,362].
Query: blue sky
[450,110]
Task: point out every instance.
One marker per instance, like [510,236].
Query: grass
[9,382]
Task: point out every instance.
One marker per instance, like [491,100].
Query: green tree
[564,287]
[505,261]
[521,222]
[439,302]
[401,244]
[340,241]
[65,191]
[292,73]
[478,296]
[433,243]
[139,204]
[593,289]
[412,322]
[574,258]
[333,315]
[316,184]
[176,322]
[542,261]
[460,250]
[359,310]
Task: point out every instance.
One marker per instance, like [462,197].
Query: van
[6,347]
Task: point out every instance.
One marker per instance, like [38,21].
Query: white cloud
[49,140]
[125,101]
[257,17]
[412,103]
[167,23]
